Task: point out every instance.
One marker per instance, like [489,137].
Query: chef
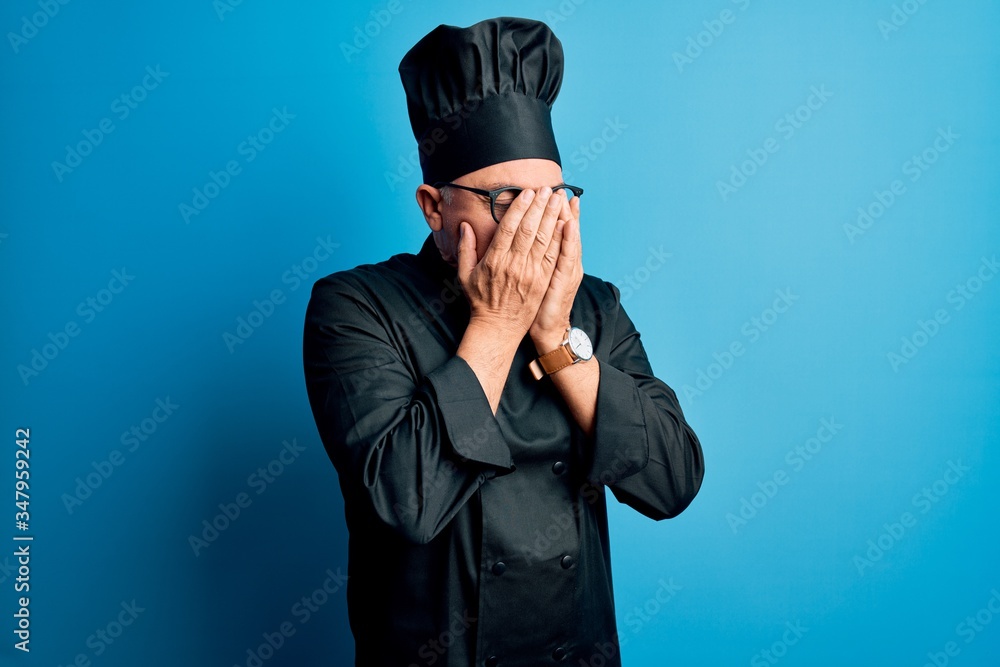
[479,398]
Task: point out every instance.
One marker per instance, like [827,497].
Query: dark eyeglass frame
[493,194]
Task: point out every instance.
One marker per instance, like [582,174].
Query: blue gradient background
[653,186]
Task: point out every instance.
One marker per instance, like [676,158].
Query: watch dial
[580,342]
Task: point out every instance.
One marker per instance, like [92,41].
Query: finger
[551,256]
[546,228]
[567,210]
[577,238]
[543,205]
[510,222]
[569,249]
[572,209]
[466,251]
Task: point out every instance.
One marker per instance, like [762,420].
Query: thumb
[466,251]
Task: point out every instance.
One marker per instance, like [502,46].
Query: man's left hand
[549,327]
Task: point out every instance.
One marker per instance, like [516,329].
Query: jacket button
[558,467]
[566,562]
[559,654]
[499,567]
[492,661]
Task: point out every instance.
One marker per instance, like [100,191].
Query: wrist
[546,340]
[497,335]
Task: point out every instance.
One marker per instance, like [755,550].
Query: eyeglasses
[502,198]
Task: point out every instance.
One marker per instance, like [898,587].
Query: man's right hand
[505,289]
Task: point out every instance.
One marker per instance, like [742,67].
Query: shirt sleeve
[644,450]
[414,449]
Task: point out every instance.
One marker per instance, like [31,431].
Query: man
[477,398]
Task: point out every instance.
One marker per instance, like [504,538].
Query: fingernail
[461,232]
[529,195]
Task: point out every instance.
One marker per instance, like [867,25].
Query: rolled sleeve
[411,449]
[472,428]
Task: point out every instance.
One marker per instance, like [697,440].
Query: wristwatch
[575,348]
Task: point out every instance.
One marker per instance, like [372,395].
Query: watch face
[580,343]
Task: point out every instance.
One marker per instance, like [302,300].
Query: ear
[429,201]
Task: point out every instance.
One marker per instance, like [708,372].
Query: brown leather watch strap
[550,362]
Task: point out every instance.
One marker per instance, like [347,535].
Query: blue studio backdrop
[798,201]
